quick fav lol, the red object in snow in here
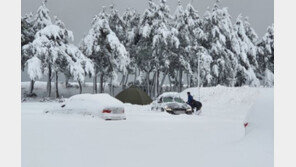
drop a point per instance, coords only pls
(106, 111)
(246, 124)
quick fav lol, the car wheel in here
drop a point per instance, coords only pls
(171, 112)
(189, 112)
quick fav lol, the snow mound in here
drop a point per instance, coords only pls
(173, 94)
(87, 104)
(102, 98)
(224, 102)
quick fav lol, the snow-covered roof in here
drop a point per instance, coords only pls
(172, 94)
(101, 99)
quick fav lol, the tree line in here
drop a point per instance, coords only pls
(149, 49)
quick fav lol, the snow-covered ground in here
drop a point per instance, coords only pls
(150, 139)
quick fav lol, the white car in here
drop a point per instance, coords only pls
(172, 103)
(102, 105)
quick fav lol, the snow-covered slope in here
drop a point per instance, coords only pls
(225, 102)
(146, 138)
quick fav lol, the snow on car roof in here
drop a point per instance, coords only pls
(102, 98)
(172, 94)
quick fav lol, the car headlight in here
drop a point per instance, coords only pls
(168, 108)
(188, 109)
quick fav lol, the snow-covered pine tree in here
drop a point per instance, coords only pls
(119, 26)
(145, 59)
(199, 58)
(76, 65)
(180, 63)
(246, 71)
(34, 23)
(71, 61)
(163, 34)
(102, 46)
(222, 45)
(27, 29)
(42, 18)
(27, 36)
(131, 21)
(266, 58)
(253, 37)
(48, 46)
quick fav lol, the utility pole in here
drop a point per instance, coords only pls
(199, 79)
(198, 75)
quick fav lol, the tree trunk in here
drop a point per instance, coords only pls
(170, 81)
(191, 81)
(80, 87)
(32, 86)
(147, 80)
(180, 80)
(135, 79)
(153, 86)
(161, 83)
(125, 82)
(157, 83)
(110, 87)
(122, 81)
(95, 86)
(57, 84)
(66, 81)
(49, 81)
(188, 80)
(102, 83)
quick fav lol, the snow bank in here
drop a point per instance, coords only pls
(152, 139)
(224, 102)
(87, 104)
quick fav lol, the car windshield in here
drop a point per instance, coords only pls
(172, 99)
(178, 100)
(167, 99)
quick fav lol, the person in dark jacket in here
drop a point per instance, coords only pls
(190, 98)
(193, 103)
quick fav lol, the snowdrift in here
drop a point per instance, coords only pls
(231, 103)
(146, 138)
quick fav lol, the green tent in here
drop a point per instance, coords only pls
(133, 95)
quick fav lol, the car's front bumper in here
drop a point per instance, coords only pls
(177, 111)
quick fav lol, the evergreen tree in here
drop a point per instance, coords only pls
(246, 58)
(30, 26)
(27, 36)
(266, 58)
(27, 29)
(131, 21)
(145, 59)
(222, 44)
(180, 23)
(48, 46)
(117, 24)
(103, 47)
(76, 65)
(199, 57)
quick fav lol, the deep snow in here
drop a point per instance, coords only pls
(215, 138)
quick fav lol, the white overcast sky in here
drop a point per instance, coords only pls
(77, 14)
